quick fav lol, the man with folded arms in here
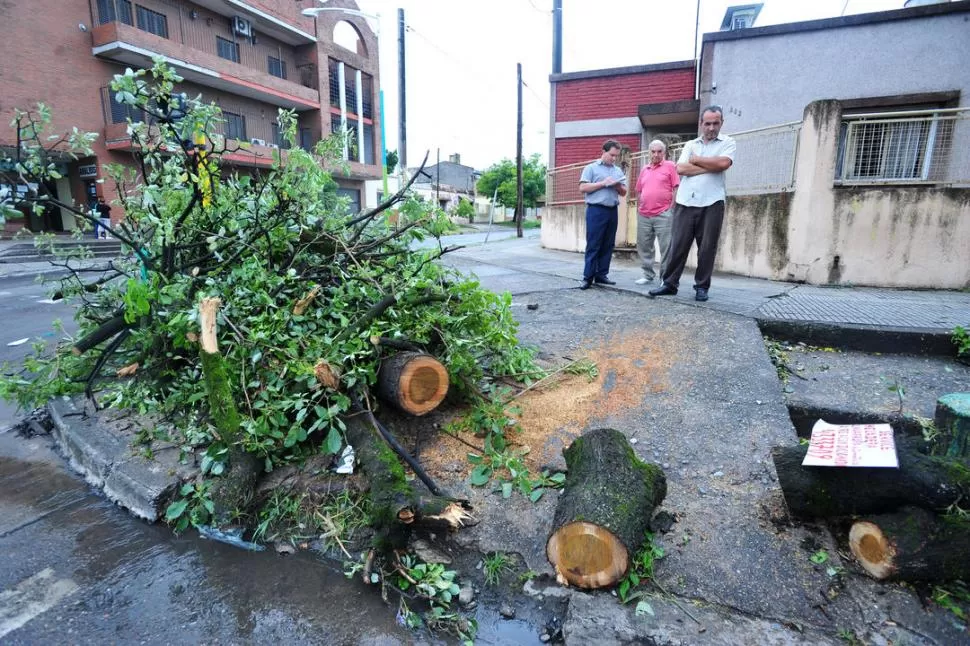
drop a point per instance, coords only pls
(700, 205)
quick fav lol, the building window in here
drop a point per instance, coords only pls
(892, 150)
(353, 195)
(740, 22)
(276, 67)
(278, 138)
(368, 157)
(334, 83)
(350, 81)
(227, 49)
(235, 126)
(367, 89)
(152, 21)
(114, 10)
(306, 139)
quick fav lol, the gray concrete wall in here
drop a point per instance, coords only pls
(766, 80)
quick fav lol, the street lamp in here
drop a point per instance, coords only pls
(313, 12)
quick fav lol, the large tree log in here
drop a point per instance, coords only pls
(821, 492)
(953, 423)
(413, 382)
(396, 508)
(912, 545)
(604, 511)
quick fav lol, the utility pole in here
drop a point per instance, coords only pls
(556, 36)
(519, 211)
(402, 144)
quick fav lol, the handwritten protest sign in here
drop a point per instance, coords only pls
(851, 445)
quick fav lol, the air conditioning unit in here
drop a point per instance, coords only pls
(272, 145)
(242, 27)
(257, 141)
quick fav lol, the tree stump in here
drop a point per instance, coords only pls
(604, 511)
(414, 382)
(912, 545)
(953, 423)
(821, 492)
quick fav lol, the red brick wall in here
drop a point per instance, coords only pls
(574, 150)
(619, 96)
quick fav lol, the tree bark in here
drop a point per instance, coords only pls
(912, 545)
(605, 509)
(396, 508)
(414, 382)
(233, 489)
(953, 423)
(821, 492)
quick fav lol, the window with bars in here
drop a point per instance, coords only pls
(368, 157)
(276, 67)
(890, 149)
(151, 21)
(121, 112)
(114, 10)
(353, 195)
(227, 49)
(235, 126)
(367, 89)
(334, 83)
(350, 83)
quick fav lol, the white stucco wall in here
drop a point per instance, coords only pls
(766, 80)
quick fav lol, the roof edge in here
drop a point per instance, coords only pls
(909, 13)
(618, 71)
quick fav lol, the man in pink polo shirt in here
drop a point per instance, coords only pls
(656, 189)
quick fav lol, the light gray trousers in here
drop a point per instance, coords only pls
(648, 230)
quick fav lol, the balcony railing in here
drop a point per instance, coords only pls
(240, 123)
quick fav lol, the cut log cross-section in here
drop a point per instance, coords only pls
(414, 382)
(604, 511)
(912, 545)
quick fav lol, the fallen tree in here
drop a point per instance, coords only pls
(305, 286)
(604, 511)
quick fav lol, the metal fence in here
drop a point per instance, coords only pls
(766, 164)
(916, 147)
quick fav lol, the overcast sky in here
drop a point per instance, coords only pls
(461, 56)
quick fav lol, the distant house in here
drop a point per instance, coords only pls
(853, 145)
(446, 182)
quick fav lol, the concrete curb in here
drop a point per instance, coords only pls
(105, 459)
(861, 338)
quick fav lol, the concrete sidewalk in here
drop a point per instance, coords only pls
(859, 318)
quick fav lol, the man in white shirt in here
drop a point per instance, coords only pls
(700, 205)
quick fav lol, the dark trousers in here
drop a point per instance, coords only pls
(600, 238)
(690, 223)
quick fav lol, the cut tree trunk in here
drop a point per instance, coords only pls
(912, 545)
(234, 488)
(821, 492)
(604, 511)
(413, 382)
(396, 508)
(953, 423)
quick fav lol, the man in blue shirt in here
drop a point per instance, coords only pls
(603, 184)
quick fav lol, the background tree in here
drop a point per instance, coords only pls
(502, 176)
(391, 160)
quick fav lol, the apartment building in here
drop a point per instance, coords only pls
(251, 57)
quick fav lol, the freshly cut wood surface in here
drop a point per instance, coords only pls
(604, 511)
(414, 382)
(912, 545)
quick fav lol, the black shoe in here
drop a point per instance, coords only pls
(604, 281)
(701, 294)
(587, 283)
(663, 290)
